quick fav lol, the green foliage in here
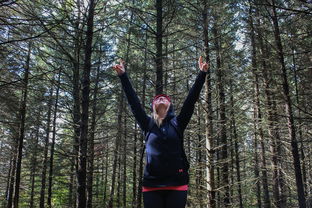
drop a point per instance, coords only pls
(127, 29)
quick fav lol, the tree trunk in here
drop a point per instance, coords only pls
(279, 194)
(222, 110)
(302, 153)
(141, 143)
(116, 151)
(106, 175)
(135, 169)
(124, 160)
(208, 117)
(159, 50)
(199, 160)
(236, 151)
(21, 130)
(53, 141)
(118, 204)
(256, 169)
(71, 185)
(76, 107)
(258, 114)
(12, 175)
(45, 152)
(289, 111)
(34, 161)
(4, 203)
(83, 141)
(91, 142)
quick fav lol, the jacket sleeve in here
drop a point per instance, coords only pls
(189, 104)
(134, 102)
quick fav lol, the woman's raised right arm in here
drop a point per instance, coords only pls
(134, 102)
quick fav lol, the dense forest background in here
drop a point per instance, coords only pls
(68, 138)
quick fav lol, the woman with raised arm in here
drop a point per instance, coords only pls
(165, 181)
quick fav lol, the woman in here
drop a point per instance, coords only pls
(165, 181)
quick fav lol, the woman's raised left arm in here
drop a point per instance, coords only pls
(189, 104)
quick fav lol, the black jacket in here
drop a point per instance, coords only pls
(166, 163)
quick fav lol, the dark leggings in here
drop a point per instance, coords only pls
(164, 199)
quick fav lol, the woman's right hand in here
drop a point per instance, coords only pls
(203, 66)
(120, 68)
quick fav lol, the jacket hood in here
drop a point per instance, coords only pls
(170, 113)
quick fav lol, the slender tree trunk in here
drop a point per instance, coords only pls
(199, 159)
(124, 175)
(279, 194)
(141, 143)
(118, 204)
(76, 122)
(256, 158)
(302, 153)
(116, 151)
(289, 111)
(223, 137)
(83, 141)
(21, 130)
(50, 184)
(76, 106)
(208, 117)
(258, 114)
(12, 175)
(159, 49)
(236, 151)
(256, 170)
(106, 175)
(125, 118)
(71, 185)
(34, 161)
(45, 152)
(4, 203)
(91, 142)
(134, 171)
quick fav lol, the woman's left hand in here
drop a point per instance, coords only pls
(203, 66)
(120, 68)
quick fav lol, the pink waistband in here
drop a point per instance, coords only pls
(175, 188)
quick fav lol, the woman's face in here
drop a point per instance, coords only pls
(161, 102)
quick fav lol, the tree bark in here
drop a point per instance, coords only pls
(222, 110)
(279, 199)
(76, 106)
(91, 142)
(34, 161)
(236, 150)
(45, 152)
(289, 111)
(20, 141)
(159, 48)
(83, 141)
(118, 204)
(208, 116)
(4, 203)
(12, 174)
(199, 160)
(302, 153)
(124, 159)
(135, 169)
(53, 141)
(106, 175)
(116, 151)
(141, 141)
(258, 114)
